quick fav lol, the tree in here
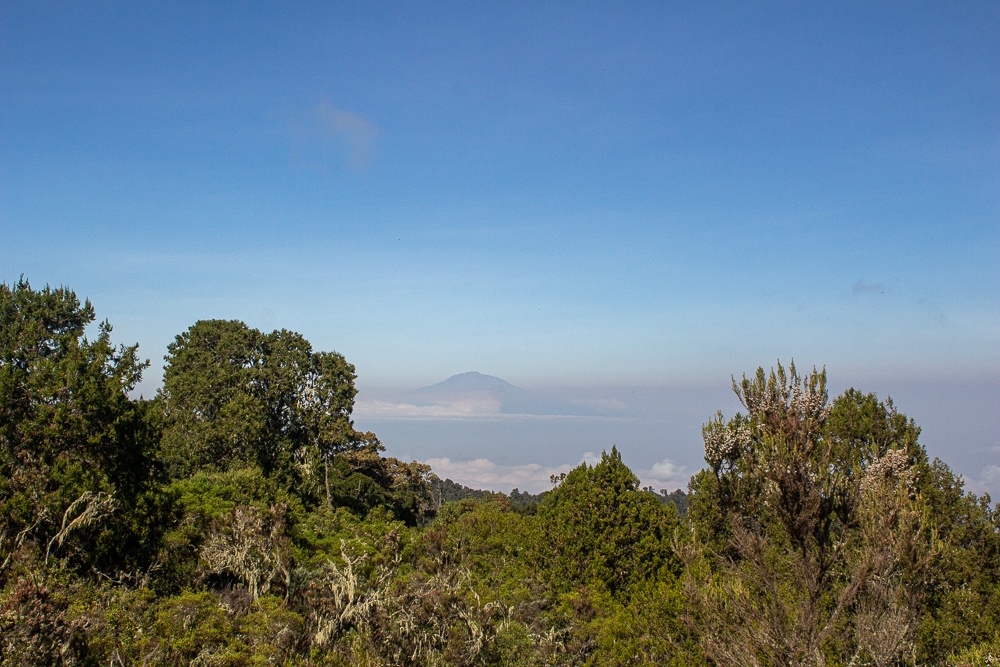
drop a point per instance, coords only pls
(961, 589)
(234, 396)
(602, 531)
(213, 408)
(73, 445)
(811, 527)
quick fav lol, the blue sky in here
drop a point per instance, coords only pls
(560, 194)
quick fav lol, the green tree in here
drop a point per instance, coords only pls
(810, 525)
(602, 531)
(213, 409)
(961, 588)
(74, 448)
(234, 396)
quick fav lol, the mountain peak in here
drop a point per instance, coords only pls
(470, 381)
(476, 387)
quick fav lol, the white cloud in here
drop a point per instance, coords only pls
(485, 474)
(325, 125)
(665, 469)
(473, 407)
(664, 475)
(988, 482)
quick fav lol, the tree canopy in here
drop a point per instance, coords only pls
(234, 396)
(74, 448)
(240, 519)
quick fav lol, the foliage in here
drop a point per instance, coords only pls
(75, 469)
(234, 396)
(600, 529)
(448, 491)
(240, 519)
(961, 605)
(818, 531)
(445, 491)
(35, 628)
(985, 654)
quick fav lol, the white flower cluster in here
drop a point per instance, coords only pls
(895, 465)
(724, 443)
(762, 403)
(784, 394)
(809, 403)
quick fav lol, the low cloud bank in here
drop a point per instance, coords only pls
(488, 475)
(473, 408)
(988, 482)
(485, 408)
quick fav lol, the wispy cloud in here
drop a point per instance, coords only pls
(479, 406)
(325, 125)
(863, 287)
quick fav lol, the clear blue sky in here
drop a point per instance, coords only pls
(555, 193)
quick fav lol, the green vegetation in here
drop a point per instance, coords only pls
(239, 519)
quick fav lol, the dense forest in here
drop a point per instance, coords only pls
(238, 518)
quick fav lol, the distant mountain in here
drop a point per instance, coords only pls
(493, 393)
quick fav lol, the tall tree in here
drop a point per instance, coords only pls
(810, 522)
(213, 408)
(73, 445)
(602, 531)
(233, 396)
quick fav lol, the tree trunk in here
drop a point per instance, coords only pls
(326, 479)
